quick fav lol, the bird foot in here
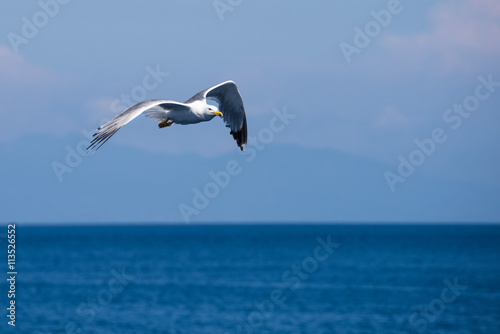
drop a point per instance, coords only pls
(165, 123)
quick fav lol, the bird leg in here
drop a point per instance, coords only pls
(165, 123)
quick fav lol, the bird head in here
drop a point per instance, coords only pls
(213, 110)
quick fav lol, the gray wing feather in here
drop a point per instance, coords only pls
(106, 131)
(231, 105)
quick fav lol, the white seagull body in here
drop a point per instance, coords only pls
(194, 110)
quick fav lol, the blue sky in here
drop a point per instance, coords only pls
(67, 65)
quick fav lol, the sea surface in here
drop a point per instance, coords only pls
(255, 279)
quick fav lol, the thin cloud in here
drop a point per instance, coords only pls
(390, 118)
(463, 36)
(15, 70)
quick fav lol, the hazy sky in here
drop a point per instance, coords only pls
(413, 86)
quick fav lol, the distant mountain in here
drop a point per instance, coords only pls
(279, 183)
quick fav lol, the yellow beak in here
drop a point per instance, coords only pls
(217, 113)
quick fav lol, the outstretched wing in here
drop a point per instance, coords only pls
(231, 105)
(104, 132)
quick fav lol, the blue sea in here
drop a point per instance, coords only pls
(256, 279)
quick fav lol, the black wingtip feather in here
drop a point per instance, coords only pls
(241, 135)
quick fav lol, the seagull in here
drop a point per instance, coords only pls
(194, 110)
